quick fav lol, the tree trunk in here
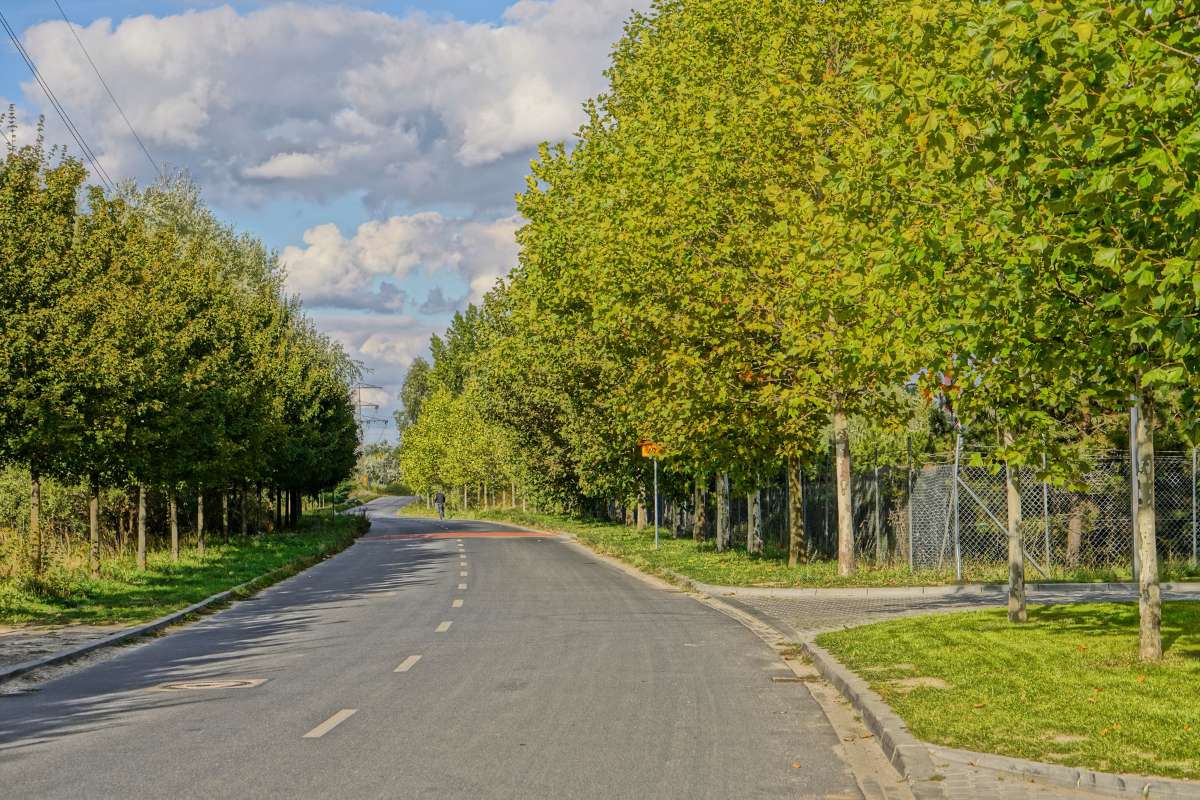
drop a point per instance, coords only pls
(94, 526)
(35, 517)
(754, 542)
(641, 506)
(845, 504)
(1016, 554)
(722, 513)
(1149, 592)
(173, 513)
(141, 525)
(225, 514)
(797, 546)
(200, 520)
(278, 510)
(513, 497)
(700, 518)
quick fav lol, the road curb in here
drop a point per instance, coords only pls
(154, 626)
(907, 753)
(1105, 783)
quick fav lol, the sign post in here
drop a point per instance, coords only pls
(653, 451)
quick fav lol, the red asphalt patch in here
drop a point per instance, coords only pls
(392, 537)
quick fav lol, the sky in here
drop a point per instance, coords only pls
(377, 146)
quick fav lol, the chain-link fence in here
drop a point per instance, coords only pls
(946, 514)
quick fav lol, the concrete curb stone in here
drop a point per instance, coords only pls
(1076, 777)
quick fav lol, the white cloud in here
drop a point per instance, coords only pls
(367, 269)
(322, 100)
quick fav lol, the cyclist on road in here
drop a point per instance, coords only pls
(439, 500)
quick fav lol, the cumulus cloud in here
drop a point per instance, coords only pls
(367, 269)
(328, 99)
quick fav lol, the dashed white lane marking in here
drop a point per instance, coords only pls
(462, 574)
(462, 586)
(457, 603)
(331, 723)
(458, 540)
(445, 626)
(407, 664)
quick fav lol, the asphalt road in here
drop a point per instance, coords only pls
(447, 666)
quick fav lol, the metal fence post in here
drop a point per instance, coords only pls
(954, 502)
(1046, 510)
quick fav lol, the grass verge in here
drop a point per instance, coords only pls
(123, 595)
(736, 567)
(1066, 687)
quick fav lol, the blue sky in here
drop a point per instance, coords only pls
(376, 145)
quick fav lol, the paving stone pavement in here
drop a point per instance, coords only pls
(804, 613)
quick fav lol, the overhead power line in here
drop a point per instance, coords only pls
(88, 153)
(104, 83)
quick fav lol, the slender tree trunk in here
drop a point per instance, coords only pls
(278, 510)
(797, 544)
(513, 497)
(200, 519)
(141, 525)
(641, 506)
(1075, 532)
(1016, 554)
(700, 518)
(845, 502)
(1149, 592)
(258, 523)
(722, 513)
(173, 513)
(94, 526)
(225, 513)
(754, 542)
(35, 517)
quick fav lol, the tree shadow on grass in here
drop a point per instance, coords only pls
(1180, 623)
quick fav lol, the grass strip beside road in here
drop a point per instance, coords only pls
(1066, 687)
(701, 562)
(122, 595)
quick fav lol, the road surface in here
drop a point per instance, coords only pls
(433, 660)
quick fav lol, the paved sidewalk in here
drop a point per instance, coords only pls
(805, 612)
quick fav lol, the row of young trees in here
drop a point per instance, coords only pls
(145, 343)
(781, 211)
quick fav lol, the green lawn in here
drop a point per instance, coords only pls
(1066, 687)
(124, 595)
(737, 568)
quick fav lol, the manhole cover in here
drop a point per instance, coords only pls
(213, 683)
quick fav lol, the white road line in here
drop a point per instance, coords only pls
(407, 664)
(457, 603)
(462, 574)
(331, 723)
(462, 586)
(445, 626)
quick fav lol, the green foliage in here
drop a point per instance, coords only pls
(142, 341)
